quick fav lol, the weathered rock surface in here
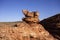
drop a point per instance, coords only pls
(31, 16)
(52, 24)
(25, 30)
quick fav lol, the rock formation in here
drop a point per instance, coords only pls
(52, 24)
(30, 16)
(28, 29)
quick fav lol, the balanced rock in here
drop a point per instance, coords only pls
(30, 16)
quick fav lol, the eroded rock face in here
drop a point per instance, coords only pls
(52, 24)
(25, 30)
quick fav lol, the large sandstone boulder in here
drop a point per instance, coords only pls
(30, 16)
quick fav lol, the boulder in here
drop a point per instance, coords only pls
(30, 16)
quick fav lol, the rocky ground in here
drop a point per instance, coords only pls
(24, 31)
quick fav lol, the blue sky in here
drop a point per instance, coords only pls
(11, 10)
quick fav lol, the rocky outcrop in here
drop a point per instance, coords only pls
(30, 16)
(28, 29)
(52, 24)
